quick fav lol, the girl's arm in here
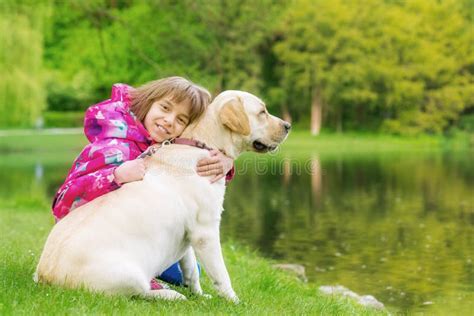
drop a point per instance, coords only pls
(79, 191)
(218, 165)
(92, 175)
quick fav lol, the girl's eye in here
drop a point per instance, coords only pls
(182, 121)
(262, 112)
(165, 107)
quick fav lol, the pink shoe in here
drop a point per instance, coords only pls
(155, 285)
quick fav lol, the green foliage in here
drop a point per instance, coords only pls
(407, 65)
(90, 45)
(237, 33)
(22, 96)
(63, 119)
(404, 67)
(466, 123)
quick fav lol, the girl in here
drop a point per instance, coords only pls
(124, 126)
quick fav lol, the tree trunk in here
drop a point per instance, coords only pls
(339, 120)
(360, 115)
(316, 111)
(285, 113)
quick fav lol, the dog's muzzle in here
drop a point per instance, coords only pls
(263, 148)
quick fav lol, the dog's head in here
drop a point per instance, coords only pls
(247, 118)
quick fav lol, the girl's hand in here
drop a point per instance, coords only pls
(218, 165)
(132, 170)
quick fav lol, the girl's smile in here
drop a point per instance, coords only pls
(162, 128)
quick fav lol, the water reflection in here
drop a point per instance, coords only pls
(39, 171)
(397, 226)
(316, 179)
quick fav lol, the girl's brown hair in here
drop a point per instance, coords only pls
(178, 89)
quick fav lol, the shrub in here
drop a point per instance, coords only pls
(466, 123)
(63, 119)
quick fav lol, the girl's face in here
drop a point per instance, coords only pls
(166, 119)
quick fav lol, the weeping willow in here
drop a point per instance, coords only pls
(22, 96)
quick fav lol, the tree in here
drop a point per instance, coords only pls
(321, 53)
(93, 44)
(403, 66)
(21, 75)
(237, 35)
(440, 60)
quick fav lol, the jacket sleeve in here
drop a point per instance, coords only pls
(91, 176)
(230, 175)
(105, 120)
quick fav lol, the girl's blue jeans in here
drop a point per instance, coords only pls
(174, 274)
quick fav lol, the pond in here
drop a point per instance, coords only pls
(399, 226)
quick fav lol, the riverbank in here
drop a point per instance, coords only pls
(262, 289)
(303, 142)
(298, 142)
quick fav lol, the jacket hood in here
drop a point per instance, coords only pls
(112, 118)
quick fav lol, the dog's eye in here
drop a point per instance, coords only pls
(263, 112)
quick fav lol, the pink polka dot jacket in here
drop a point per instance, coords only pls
(115, 136)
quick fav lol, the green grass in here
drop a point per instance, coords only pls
(262, 289)
(298, 142)
(304, 142)
(42, 143)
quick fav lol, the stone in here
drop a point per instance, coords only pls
(366, 300)
(338, 290)
(370, 301)
(297, 269)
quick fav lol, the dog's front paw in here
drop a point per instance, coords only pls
(207, 296)
(234, 299)
(231, 296)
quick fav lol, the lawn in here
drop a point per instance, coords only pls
(299, 141)
(262, 289)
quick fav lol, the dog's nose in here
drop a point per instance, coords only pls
(287, 126)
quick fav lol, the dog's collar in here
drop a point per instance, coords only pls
(190, 142)
(179, 141)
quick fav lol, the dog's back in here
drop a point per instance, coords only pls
(142, 224)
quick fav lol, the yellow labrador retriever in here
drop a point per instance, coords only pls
(118, 242)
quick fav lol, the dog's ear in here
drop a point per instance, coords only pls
(233, 116)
